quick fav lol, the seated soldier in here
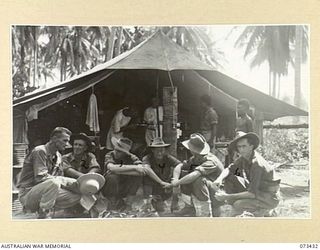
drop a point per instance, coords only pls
(41, 184)
(123, 174)
(80, 161)
(202, 166)
(249, 183)
(162, 165)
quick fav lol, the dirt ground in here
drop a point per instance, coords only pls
(295, 203)
(295, 191)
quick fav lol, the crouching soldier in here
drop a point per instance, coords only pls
(42, 186)
(202, 166)
(249, 183)
(162, 165)
(81, 162)
(124, 172)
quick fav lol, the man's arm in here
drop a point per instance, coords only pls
(177, 171)
(213, 135)
(237, 196)
(225, 172)
(249, 125)
(187, 179)
(119, 168)
(94, 166)
(153, 175)
(40, 168)
(71, 172)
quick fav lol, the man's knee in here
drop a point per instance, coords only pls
(238, 204)
(112, 178)
(51, 184)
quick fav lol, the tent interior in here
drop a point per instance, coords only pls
(134, 87)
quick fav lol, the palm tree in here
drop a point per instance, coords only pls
(269, 44)
(300, 56)
(197, 40)
(274, 45)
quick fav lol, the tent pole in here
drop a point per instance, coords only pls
(171, 82)
(157, 109)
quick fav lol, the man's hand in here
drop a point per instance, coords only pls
(73, 187)
(141, 169)
(214, 185)
(221, 196)
(175, 183)
(166, 185)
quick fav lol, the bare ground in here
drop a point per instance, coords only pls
(295, 192)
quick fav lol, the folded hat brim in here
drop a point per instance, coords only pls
(253, 136)
(204, 151)
(89, 176)
(159, 146)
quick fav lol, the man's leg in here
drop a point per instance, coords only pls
(186, 191)
(235, 184)
(256, 207)
(128, 187)
(42, 196)
(201, 198)
(111, 190)
(67, 199)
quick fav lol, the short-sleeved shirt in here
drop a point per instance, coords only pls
(208, 118)
(83, 165)
(127, 160)
(119, 120)
(40, 165)
(163, 169)
(244, 124)
(257, 172)
(209, 166)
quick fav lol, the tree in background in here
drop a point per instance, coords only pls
(275, 45)
(40, 52)
(196, 40)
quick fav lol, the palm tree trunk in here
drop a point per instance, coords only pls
(274, 79)
(111, 41)
(278, 94)
(61, 70)
(297, 66)
(35, 56)
(269, 82)
(77, 54)
(119, 42)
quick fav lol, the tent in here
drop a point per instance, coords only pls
(133, 77)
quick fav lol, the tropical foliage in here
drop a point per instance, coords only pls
(279, 46)
(43, 52)
(286, 145)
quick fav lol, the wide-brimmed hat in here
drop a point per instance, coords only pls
(84, 137)
(241, 135)
(122, 144)
(197, 143)
(90, 183)
(158, 143)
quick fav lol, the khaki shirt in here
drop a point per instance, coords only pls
(257, 172)
(38, 166)
(83, 165)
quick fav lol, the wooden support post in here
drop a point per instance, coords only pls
(170, 117)
(258, 125)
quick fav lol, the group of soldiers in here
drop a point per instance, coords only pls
(50, 181)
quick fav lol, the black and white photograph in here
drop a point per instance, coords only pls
(141, 122)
